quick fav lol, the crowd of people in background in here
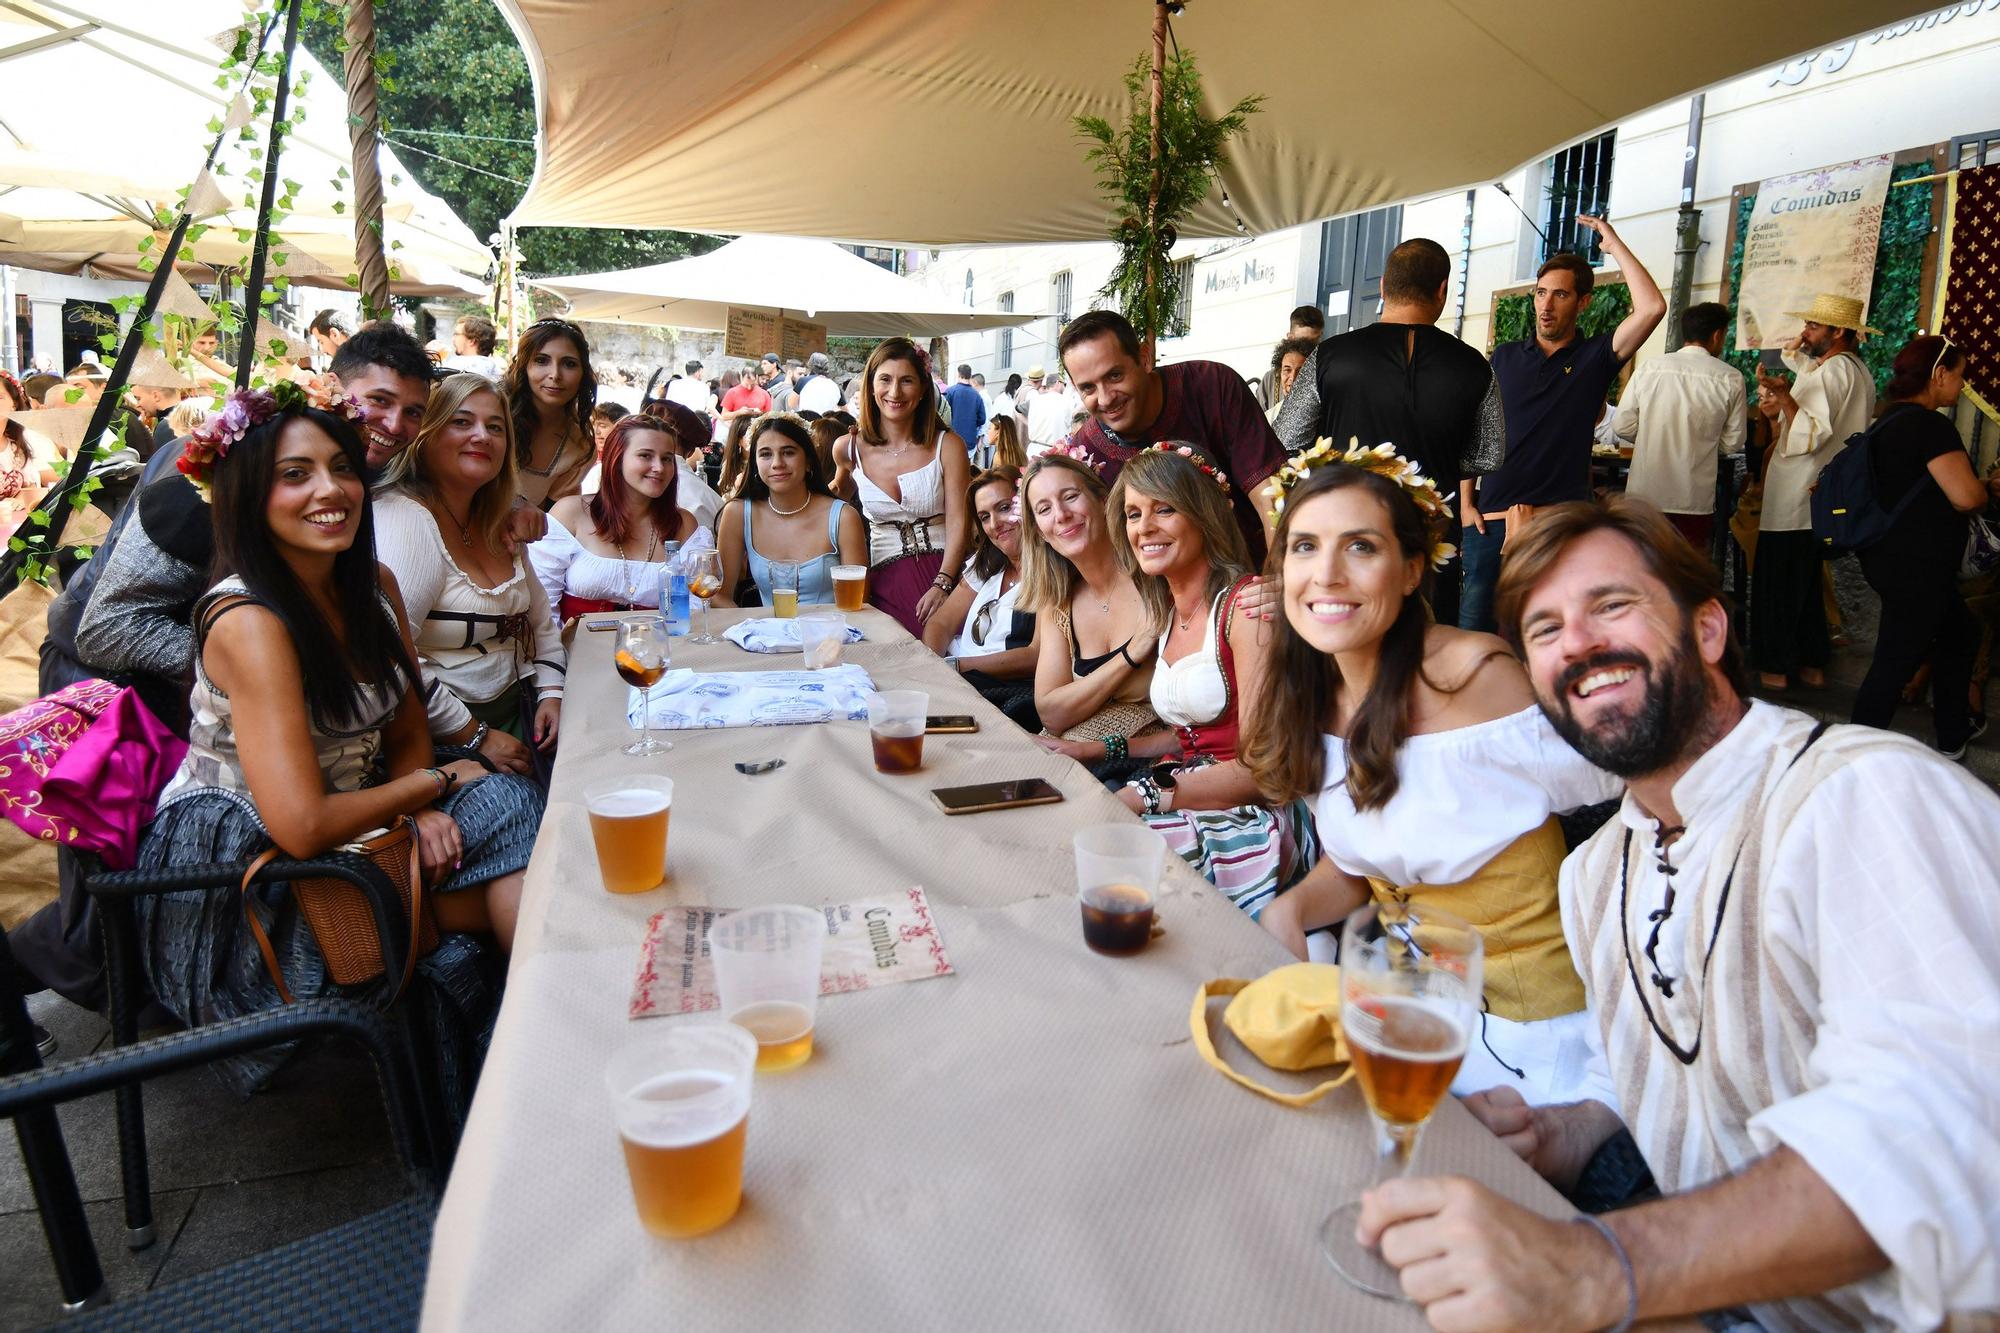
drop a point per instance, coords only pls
(1380, 638)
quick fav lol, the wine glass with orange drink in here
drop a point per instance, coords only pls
(704, 571)
(642, 659)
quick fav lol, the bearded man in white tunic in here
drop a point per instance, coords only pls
(1790, 939)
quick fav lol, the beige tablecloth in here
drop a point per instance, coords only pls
(1031, 1143)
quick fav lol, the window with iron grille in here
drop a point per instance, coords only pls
(1578, 180)
(1975, 150)
(1184, 306)
(1059, 289)
(1006, 335)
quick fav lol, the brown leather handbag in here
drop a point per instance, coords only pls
(337, 912)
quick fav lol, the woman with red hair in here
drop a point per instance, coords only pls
(607, 551)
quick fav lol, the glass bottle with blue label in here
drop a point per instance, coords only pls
(674, 591)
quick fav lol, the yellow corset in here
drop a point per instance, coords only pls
(1512, 902)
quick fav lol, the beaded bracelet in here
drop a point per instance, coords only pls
(1116, 748)
(1624, 1262)
(442, 779)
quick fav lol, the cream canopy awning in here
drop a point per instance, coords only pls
(777, 275)
(932, 123)
(85, 192)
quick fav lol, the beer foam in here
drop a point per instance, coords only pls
(629, 803)
(681, 1109)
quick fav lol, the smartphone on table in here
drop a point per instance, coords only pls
(951, 724)
(981, 796)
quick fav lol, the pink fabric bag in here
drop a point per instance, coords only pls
(83, 766)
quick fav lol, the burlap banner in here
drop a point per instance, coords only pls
(1812, 232)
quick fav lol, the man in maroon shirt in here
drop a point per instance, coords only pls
(1203, 403)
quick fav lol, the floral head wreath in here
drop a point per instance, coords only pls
(247, 409)
(1191, 455)
(1383, 461)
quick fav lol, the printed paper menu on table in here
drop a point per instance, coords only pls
(877, 942)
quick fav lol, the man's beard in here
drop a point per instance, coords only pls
(1669, 717)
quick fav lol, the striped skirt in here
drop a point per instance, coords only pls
(1251, 853)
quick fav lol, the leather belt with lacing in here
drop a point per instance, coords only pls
(915, 537)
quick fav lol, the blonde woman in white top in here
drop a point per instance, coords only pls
(480, 619)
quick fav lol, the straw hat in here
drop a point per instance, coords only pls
(1836, 312)
(1037, 374)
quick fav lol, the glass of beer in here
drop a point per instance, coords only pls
(784, 588)
(681, 1098)
(628, 822)
(1411, 981)
(896, 726)
(704, 571)
(850, 587)
(642, 659)
(767, 975)
(1117, 881)
(822, 634)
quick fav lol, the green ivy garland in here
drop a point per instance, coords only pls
(1193, 147)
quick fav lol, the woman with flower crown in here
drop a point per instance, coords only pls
(1434, 774)
(310, 758)
(1174, 532)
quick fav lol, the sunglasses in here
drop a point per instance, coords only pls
(1940, 356)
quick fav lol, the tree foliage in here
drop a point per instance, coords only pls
(454, 66)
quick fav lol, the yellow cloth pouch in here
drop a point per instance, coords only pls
(1289, 1019)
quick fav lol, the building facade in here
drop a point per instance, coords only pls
(1931, 80)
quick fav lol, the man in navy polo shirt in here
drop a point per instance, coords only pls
(1552, 391)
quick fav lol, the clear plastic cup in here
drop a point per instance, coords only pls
(628, 822)
(767, 976)
(681, 1098)
(822, 635)
(784, 588)
(1118, 869)
(896, 727)
(850, 587)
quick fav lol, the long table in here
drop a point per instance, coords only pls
(1031, 1142)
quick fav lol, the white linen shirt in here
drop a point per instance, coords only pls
(1881, 925)
(1836, 398)
(1679, 413)
(692, 393)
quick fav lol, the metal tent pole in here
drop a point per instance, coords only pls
(253, 286)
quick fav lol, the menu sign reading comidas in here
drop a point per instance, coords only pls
(868, 944)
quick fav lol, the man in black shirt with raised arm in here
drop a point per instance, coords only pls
(1404, 381)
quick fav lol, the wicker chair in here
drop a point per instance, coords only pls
(363, 1274)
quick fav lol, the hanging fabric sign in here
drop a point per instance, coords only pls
(1812, 232)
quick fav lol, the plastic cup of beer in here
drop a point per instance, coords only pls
(822, 634)
(628, 822)
(896, 727)
(850, 587)
(767, 975)
(681, 1098)
(784, 588)
(1118, 870)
